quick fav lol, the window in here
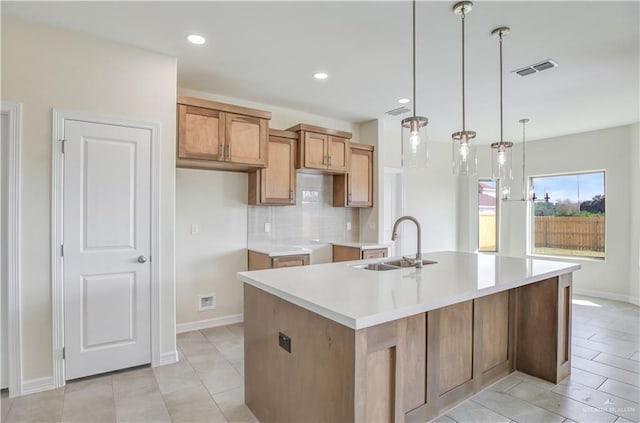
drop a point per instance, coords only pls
(569, 215)
(487, 215)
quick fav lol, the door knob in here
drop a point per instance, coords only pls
(142, 259)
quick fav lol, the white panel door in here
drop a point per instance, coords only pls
(107, 316)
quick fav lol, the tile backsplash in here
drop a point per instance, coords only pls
(312, 219)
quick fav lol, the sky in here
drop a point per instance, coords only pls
(580, 187)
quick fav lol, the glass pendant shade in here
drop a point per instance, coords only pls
(414, 142)
(464, 153)
(502, 159)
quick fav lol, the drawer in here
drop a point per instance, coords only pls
(289, 261)
(371, 254)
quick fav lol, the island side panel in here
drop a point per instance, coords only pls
(315, 381)
(544, 328)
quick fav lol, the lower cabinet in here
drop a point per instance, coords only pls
(260, 261)
(343, 253)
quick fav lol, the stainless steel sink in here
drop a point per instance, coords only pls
(391, 265)
(378, 267)
(407, 263)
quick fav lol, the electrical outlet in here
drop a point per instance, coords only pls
(207, 302)
(348, 226)
(195, 228)
(267, 227)
(285, 342)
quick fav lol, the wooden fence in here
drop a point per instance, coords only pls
(571, 233)
(487, 232)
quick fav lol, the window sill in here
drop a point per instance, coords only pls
(570, 258)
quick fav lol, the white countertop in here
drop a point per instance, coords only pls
(361, 245)
(280, 250)
(359, 298)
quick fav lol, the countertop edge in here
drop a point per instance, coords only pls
(384, 317)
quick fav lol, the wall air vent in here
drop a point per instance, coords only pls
(538, 67)
(399, 111)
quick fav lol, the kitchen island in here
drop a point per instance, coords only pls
(340, 343)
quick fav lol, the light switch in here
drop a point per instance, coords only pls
(348, 226)
(195, 228)
(267, 227)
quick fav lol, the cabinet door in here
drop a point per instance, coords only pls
(278, 182)
(338, 151)
(200, 133)
(314, 153)
(371, 254)
(290, 261)
(360, 179)
(246, 140)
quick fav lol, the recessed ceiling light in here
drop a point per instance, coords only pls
(320, 75)
(196, 39)
(404, 101)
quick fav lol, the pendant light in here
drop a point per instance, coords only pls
(465, 159)
(501, 155)
(414, 138)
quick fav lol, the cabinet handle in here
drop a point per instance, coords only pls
(329, 160)
(349, 198)
(228, 151)
(221, 151)
(290, 194)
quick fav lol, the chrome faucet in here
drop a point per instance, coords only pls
(394, 236)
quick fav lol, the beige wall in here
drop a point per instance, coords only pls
(46, 68)
(207, 262)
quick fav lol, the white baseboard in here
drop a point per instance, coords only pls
(209, 323)
(607, 296)
(40, 384)
(168, 358)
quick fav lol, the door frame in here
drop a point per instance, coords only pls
(57, 290)
(14, 309)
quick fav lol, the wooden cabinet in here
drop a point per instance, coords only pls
(259, 261)
(322, 150)
(355, 188)
(276, 184)
(344, 253)
(214, 135)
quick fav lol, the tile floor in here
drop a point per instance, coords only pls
(207, 384)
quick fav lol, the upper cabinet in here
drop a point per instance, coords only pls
(322, 150)
(355, 189)
(214, 135)
(276, 184)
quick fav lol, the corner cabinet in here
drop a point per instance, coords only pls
(276, 184)
(355, 188)
(214, 135)
(322, 150)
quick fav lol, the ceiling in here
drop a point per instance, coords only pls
(267, 52)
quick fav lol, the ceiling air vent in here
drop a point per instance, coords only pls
(399, 111)
(538, 67)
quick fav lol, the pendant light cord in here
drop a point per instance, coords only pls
(501, 133)
(463, 98)
(414, 58)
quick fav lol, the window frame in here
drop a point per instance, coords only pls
(531, 222)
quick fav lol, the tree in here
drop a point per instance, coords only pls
(595, 205)
(566, 208)
(544, 209)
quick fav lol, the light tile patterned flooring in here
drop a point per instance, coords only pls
(207, 384)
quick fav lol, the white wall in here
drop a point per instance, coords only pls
(217, 201)
(634, 195)
(47, 68)
(609, 149)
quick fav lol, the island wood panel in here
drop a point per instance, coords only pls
(494, 329)
(312, 383)
(456, 345)
(544, 344)
(380, 369)
(415, 387)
